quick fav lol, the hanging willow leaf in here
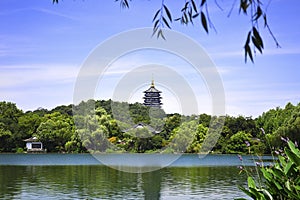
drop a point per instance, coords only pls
(166, 22)
(195, 15)
(156, 14)
(168, 13)
(203, 2)
(258, 13)
(155, 24)
(160, 34)
(256, 44)
(248, 38)
(265, 20)
(204, 22)
(248, 52)
(194, 6)
(258, 38)
(243, 6)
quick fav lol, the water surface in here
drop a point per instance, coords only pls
(80, 176)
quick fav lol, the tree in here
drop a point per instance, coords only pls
(55, 131)
(9, 114)
(5, 139)
(183, 136)
(193, 10)
(237, 143)
(198, 138)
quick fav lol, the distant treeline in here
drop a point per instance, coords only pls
(107, 126)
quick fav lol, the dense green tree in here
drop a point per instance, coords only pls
(183, 136)
(9, 115)
(204, 119)
(198, 138)
(55, 130)
(28, 124)
(237, 143)
(280, 123)
(5, 138)
(172, 121)
(97, 130)
(65, 110)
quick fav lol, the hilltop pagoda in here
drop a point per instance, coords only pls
(152, 97)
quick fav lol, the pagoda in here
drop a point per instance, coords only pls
(152, 97)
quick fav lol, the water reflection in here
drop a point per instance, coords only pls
(101, 182)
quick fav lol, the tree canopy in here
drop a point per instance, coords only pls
(62, 131)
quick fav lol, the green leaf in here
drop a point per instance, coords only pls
(258, 13)
(247, 192)
(204, 22)
(266, 174)
(258, 38)
(185, 18)
(265, 20)
(160, 34)
(156, 23)
(256, 44)
(293, 157)
(248, 52)
(195, 15)
(166, 23)
(282, 160)
(267, 193)
(168, 13)
(288, 185)
(194, 6)
(251, 182)
(203, 2)
(243, 6)
(287, 168)
(248, 38)
(293, 148)
(156, 14)
(278, 185)
(256, 193)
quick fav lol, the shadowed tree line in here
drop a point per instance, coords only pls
(76, 129)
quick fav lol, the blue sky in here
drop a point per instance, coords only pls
(43, 46)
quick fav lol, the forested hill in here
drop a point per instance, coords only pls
(102, 132)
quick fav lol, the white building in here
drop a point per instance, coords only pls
(33, 145)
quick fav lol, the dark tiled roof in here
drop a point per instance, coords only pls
(32, 139)
(142, 125)
(152, 89)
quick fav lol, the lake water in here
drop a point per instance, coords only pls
(81, 176)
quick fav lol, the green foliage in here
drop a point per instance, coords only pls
(95, 125)
(236, 143)
(281, 123)
(281, 181)
(188, 137)
(55, 130)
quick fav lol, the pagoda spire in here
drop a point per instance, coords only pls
(152, 82)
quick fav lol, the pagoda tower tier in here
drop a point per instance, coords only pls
(152, 97)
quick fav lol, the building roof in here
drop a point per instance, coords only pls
(32, 139)
(142, 125)
(152, 88)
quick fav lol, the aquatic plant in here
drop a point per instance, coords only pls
(278, 181)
